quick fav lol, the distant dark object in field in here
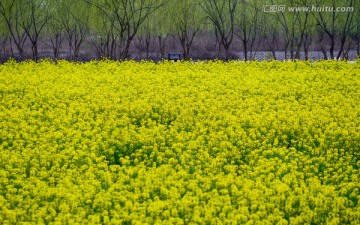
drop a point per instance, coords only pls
(175, 56)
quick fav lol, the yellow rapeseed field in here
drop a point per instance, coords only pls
(179, 143)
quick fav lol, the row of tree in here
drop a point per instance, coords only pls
(111, 27)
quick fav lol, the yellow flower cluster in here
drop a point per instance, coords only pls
(179, 143)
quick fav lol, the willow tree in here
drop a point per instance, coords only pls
(294, 24)
(144, 37)
(35, 14)
(336, 25)
(104, 36)
(187, 19)
(156, 29)
(127, 17)
(161, 25)
(11, 15)
(270, 33)
(222, 14)
(355, 31)
(301, 25)
(248, 24)
(74, 17)
(4, 35)
(54, 29)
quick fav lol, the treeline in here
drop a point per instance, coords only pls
(117, 29)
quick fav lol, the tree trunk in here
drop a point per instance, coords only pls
(286, 50)
(35, 50)
(147, 44)
(292, 55)
(343, 40)
(307, 42)
(12, 50)
(227, 49)
(112, 53)
(125, 53)
(306, 52)
(332, 47)
(139, 40)
(182, 39)
(70, 48)
(20, 49)
(348, 49)
(298, 47)
(272, 44)
(56, 44)
(245, 50)
(323, 50)
(3, 45)
(162, 43)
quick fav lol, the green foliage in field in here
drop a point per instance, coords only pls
(180, 143)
